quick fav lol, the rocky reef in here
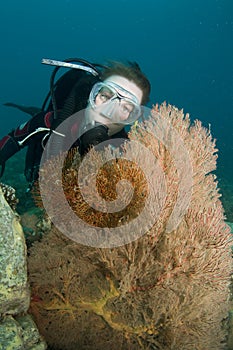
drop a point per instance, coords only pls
(17, 328)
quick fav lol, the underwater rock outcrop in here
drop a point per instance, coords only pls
(17, 329)
(167, 289)
(10, 195)
(14, 288)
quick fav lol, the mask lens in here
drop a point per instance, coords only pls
(115, 103)
(105, 94)
(101, 91)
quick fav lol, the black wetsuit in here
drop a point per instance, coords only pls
(35, 132)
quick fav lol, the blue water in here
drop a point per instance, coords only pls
(185, 48)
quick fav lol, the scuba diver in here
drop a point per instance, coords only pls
(108, 98)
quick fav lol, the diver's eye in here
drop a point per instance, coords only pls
(127, 108)
(105, 94)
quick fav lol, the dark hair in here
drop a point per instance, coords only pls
(132, 72)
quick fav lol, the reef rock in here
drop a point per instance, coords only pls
(14, 289)
(17, 329)
(20, 333)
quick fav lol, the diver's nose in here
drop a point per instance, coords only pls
(109, 109)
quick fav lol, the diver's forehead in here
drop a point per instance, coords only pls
(127, 85)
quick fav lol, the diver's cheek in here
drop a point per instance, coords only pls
(123, 117)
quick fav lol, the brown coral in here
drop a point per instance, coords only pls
(169, 289)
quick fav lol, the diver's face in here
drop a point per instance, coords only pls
(128, 86)
(116, 101)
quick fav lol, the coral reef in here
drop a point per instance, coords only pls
(168, 289)
(14, 289)
(20, 332)
(17, 329)
(10, 195)
(35, 224)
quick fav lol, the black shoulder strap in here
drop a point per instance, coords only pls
(76, 100)
(60, 90)
(63, 87)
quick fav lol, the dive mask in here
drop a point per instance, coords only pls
(112, 101)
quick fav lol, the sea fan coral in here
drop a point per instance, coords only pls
(168, 289)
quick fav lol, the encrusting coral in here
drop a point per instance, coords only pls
(10, 195)
(168, 289)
